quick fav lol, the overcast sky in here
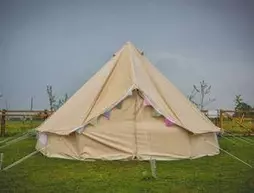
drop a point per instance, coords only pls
(63, 43)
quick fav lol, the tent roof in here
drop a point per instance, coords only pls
(128, 69)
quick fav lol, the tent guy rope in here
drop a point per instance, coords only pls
(20, 160)
(22, 137)
(23, 159)
(229, 154)
(241, 139)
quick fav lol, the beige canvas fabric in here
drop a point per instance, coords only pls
(78, 130)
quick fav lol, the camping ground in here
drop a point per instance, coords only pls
(220, 173)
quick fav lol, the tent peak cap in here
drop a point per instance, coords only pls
(129, 43)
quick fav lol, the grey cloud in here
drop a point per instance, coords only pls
(64, 43)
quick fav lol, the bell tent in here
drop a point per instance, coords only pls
(128, 110)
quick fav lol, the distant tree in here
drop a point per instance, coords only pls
(240, 105)
(51, 97)
(203, 90)
(62, 101)
(53, 102)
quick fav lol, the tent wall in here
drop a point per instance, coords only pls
(132, 132)
(60, 146)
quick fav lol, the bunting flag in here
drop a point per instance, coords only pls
(107, 114)
(156, 113)
(146, 102)
(168, 122)
(129, 93)
(119, 105)
(94, 121)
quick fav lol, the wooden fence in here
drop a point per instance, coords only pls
(21, 115)
(233, 121)
(229, 120)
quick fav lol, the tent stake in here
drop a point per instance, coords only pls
(153, 167)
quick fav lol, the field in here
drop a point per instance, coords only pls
(233, 127)
(16, 127)
(39, 174)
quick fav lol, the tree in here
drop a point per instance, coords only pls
(62, 101)
(51, 97)
(240, 105)
(203, 90)
(53, 102)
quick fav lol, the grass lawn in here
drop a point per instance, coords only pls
(17, 127)
(40, 174)
(233, 127)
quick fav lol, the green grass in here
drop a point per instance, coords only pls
(17, 127)
(233, 127)
(40, 174)
(209, 174)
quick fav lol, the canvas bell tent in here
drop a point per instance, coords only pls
(128, 110)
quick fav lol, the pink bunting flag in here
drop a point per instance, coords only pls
(107, 114)
(168, 122)
(146, 102)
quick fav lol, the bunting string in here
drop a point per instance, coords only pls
(94, 121)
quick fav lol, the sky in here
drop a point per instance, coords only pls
(63, 43)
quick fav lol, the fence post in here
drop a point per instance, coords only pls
(221, 118)
(3, 119)
(46, 114)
